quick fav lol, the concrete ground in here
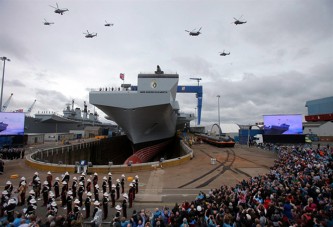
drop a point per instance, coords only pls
(210, 168)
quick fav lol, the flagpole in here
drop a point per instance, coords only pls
(122, 77)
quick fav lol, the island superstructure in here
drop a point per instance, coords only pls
(147, 115)
(72, 119)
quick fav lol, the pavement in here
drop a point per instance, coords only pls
(210, 168)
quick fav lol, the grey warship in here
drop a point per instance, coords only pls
(148, 115)
(72, 119)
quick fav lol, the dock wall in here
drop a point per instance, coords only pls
(40, 160)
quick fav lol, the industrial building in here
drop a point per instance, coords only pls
(320, 119)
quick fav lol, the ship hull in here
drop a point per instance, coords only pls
(144, 124)
(147, 115)
(3, 126)
(276, 130)
(146, 151)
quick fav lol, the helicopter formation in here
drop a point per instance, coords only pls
(195, 32)
(61, 11)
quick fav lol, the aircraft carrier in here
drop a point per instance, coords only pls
(147, 115)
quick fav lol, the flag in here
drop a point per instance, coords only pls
(122, 76)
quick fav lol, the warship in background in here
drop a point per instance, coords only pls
(72, 119)
(149, 115)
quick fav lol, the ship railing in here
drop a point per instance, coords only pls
(112, 89)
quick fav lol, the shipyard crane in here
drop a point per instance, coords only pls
(197, 79)
(198, 94)
(5, 105)
(198, 90)
(30, 108)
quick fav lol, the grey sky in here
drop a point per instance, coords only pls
(279, 59)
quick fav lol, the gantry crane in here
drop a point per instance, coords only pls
(5, 105)
(197, 79)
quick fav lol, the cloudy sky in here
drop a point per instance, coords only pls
(282, 56)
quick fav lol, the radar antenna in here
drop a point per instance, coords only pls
(158, 71)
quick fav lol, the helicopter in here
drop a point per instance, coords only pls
(57, 10)
(224, 53)
(108, 24)
(47, 23)
(238, 21)
(193, 32)
(89, 35)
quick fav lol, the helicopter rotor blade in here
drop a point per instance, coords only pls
(199, 29)
(57, 6)
(187, 31)
(53, 7)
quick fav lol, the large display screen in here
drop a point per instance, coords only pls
(284, 124)
(11, 123)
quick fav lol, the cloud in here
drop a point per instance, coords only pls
(279, 59)
(15, 83)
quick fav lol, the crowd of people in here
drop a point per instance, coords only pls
(297, 191)
(79, 196)
(12, 153)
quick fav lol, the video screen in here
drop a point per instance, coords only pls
(11, 123)
(283, 124)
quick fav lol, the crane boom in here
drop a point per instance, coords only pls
(5, 105)
(197, 79)
(31, 107)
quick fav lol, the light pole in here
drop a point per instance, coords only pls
(218, 107)
(4, 59)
